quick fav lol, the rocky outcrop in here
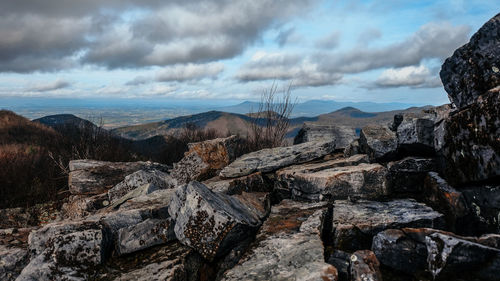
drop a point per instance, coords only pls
(12, 261)
(416, 135)
(212, 223)
(205, 159)
(79, 206)
(452, 257)
(471, 148)
(143, 235)
(317, 182)
(341, 135)
(365, 266)
(95, 177)
(272, 159)
(474, 68)
(157, 178)
(355, 224)
(256, 182)
(406, 177)
(289, 247)
(378, 142)
(352, 149)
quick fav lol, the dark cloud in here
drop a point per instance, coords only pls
(284, 36)
(50, 86)
(433, 40)
(133, 33)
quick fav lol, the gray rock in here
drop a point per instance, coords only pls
(471, 149)
(342, 135)
(474, 68)
(352, 149)
(271, 159)
(378, 142)
(288, 247)
(80, 206)
(365, 266)
(318, 182)
(209, 222)
(148, 233)
(137, 179)
(355, 224)
(137, 192)
(255, 182)
(12, 261)
(452, 257)
(95, 177)
(205, 159)
(416, 135)
(157, 199)
(406, 177)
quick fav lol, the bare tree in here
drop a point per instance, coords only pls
(271, 122)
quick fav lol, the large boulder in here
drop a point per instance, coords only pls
(95, 177)
(212, 223)
(474, 68)
(342, 135)
(319, 182)
(483, 205)
(355, 224)
(451, 257)
(205, 159)
(471, 148)
(155, 177)
(288, 247)
(256, 182)
(379, 142)
(148, 233)
(406, 177)
(416, 135)
(271, 159)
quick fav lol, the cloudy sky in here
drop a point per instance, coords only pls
(380, 50)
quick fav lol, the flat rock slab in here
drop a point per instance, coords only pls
(255, 182)
(406, 177)
(212, 223)
(342, 135)
(271, 159)
(148, 233)
(137, 179)
(355, 224)
(95, 177)
(474, 68)
(379, 142)
(288, 247)
(364, 181)
(205, 159)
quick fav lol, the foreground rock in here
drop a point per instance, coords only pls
(342, 135)
(355, 224)
(289, 247)
(212, 223)
(272, 159)
(95, 177)
(255, 182)
(205, 159)
(471, 147)
(475, 67)
(148, 233)
(12, 261)
(452, 257)
(378, 142)
(416, 135)
(157, 178)
(365, 266)
(406, 177)
(483, 205)
(335, 179)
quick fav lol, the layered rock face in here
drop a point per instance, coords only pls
(341, 135)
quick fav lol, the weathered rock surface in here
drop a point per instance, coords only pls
(288, 247)
(255, 182)
(365, 266)
(452, 257)
(137, 192)
(137, 179)
(95, 177)
(406, 176)
(471, 148)
(148, 233)
(352, 149)
(483, 205)
(355, 224)
(342, 135)
(272, 159)
(474, 68)
(212, 223)
(379, 142)
(416, 135)
(12, 261)
(318, 182)
(79, 206)
(205, 159)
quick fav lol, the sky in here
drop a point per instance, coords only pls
(232, 50)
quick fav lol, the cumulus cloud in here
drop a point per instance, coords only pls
(50, 86)
(330, 41)
(433, 40)
(286, 67)
(410, 76)
(189, 72)
(57, 34)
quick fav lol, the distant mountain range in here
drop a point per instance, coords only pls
(317, 107)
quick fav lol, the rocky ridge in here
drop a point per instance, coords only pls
(418, 199)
